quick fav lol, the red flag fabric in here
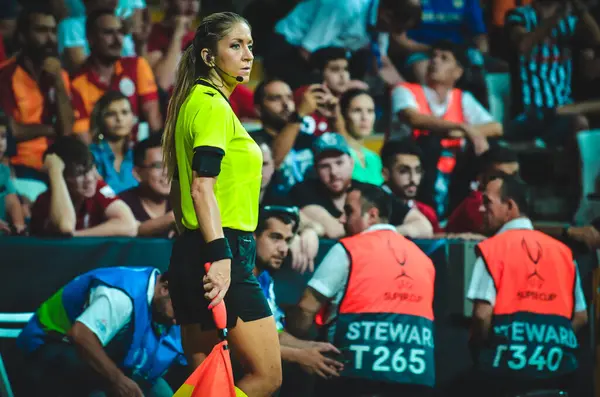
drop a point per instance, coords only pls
(214, 378)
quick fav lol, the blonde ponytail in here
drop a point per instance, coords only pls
(185, 79)
(212, 29)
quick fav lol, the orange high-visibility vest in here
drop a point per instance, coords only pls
(534, 276)
(385, 320)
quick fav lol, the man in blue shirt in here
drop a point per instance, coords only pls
(277, 227)
(353, 24)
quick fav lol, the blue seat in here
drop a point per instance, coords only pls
(589, 150)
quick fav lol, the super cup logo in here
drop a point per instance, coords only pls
(534, 253)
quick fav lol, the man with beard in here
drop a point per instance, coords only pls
(110, 331)
(73, 45)
(105, 70)
(274, 234)
(285, 129)
(402, 172)
(149, 201)
(35, 91)
(77, 202)
(322, 199)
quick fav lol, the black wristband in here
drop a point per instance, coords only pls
(216, 250)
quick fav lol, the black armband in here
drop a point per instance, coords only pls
(216, 250)
(207, 161)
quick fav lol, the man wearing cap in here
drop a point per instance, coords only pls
(445, 120)
(321, 199)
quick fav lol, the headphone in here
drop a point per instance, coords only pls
(213, 64)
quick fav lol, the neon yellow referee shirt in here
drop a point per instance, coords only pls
(206, 119)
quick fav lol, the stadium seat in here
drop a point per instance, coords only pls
(589, 207)
(11, 325)
(498, 85)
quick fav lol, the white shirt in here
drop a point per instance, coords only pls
(110, 309)
(315, 24)
(331, 276)
(482, 284)
(475, 113)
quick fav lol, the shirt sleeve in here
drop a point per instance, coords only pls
(580, 303)
(105, 195)
(515, 18)
(383, 40)
(211, 125)
(108, 312)
(82, 118)
(40, 212)
(146, 84)
(71, 34)
(475, 113)
(331, 276)
(474, 18)
(327, 26)
(482, 285)
(403, 99)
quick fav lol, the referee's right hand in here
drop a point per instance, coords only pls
(217, 281)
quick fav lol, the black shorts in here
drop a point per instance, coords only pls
(244, 299)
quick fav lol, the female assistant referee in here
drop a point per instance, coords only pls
(216, 170)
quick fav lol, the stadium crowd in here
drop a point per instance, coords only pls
(345, 95)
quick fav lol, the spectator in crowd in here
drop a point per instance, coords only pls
(78, 202)
(94, 334)
(169, 38)
(354, 24)
(285, 131)
(369, 278)
(322, 199)
(543, 102)
(402, 173)
(305, 245)
(274, 235)
(34, 91)
(467, 217)
(106, 70)
(149, 201)
(443, 119)
(357, 110)
(111, 126)
(546, 27)
(460, 22)
(73, 41)
(12, 220)
(520, 262)
(333, 65)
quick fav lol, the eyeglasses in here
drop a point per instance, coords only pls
(291, 211)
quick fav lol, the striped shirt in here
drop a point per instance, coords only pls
(545, 73)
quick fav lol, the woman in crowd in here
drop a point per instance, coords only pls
(112, 123)
(216, 170)
(357, 110)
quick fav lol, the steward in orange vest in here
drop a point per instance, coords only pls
(444, 119)
(382, 287)
(527, 296)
